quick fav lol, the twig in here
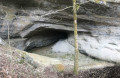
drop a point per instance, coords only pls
(56, 11)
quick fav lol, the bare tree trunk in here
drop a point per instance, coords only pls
(75, 38)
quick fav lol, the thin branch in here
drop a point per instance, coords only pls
(7, 23)
(9, 37)
(50, 13)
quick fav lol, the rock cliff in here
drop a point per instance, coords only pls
(40, 23)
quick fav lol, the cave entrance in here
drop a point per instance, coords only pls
(43, 41)
(44, 38)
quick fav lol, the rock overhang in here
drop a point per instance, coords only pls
(105, 23)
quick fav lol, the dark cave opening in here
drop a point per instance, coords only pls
(44, 37)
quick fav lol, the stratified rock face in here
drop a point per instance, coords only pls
(94, 18)
(98, 26)
(91, 18)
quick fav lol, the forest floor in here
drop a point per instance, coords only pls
(13, 65)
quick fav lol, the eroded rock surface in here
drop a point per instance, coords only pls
(102, 47)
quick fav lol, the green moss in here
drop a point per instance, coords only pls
(68, 56)
(23, 55)
(21, 61)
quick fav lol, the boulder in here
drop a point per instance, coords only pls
(101, 47)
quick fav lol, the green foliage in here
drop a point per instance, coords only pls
(77, 6)
(21, 61)
(68, 56)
